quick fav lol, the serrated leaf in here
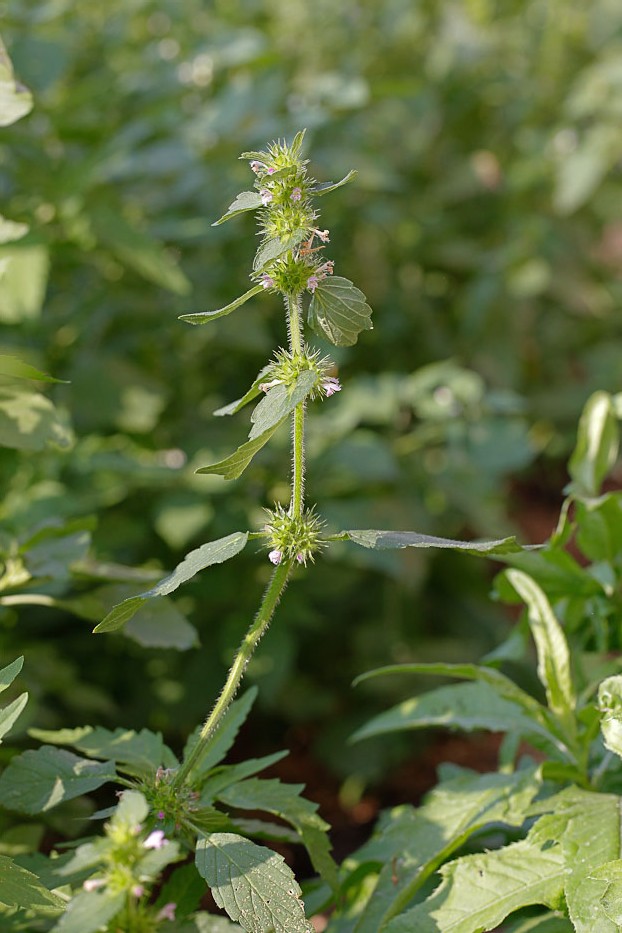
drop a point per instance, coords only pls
(382, 540)
(339, 311)
(203, 317)
(233, 407)
(479, 891)
(40, 779)
(10, 713)
(15, 99)
(333, 185)
(138, 752)
(271, 416)
(551, 646)
(224, 737)
(284, 801)
(20, 888)
(214, 552)
(597, 446)
(245, 201)
(462, 706)
(90, 911)
(272, 249)
(13, 366)
(253, 884)
(10, 672)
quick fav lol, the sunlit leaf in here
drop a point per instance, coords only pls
(339, 311)
(12, 366)
(11, 230)
(597, 446)
(15, 99)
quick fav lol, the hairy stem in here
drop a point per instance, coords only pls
(259, 626)
(294, 329)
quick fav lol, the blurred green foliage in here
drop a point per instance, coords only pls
(483, 227)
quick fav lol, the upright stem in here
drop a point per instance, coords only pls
(294, 329)
(260, 624)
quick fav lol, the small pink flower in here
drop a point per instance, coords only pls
(160, 814)
(296, 194)
(167, 912)
(300, 558)
(326, 268)
(312, 282)
(155, 840)
(257, 166)
(138, 890)
(267, 281)
(275, 557)
(323, 235)
(330, 385)
(271, 170)
(266, 196)
(92, 884)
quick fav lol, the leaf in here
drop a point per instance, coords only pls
(252, 393)
(208, 923)
(11, 230)
(339, 311)
(461, 706)
(202, 317)
(20, 888)
(230, 774)
(90, 911)
(214, 552)
(142, 751)
(596, 448)
(327, 186)
(29, 421)
(12, 366)
(160, 624)
(479, 891)
(23, 281)
(551, 646)
(139, 250)
(252, 883)
(272, 249)
(545, 923)
(382, 540)
(267, 418)
(610, 706)
(245, 201)
(223, 738)
(10, 713)
(10, 672)
(15, 99)
(284, 801)
(40, 779)
(185, 888)
(411, 844)
(609, 907)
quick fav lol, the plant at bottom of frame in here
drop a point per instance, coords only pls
(536, 846)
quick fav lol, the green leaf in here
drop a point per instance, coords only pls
(139, 250)
(245, 201)
(10, 713)
(253, 884)
(224, 737)
(230, 774)
(29, 421)
(11, 230)
(339, 311)
(203, 317)
(16, 368)
(382, 540)
(412, 843)
(544, 923)
(462, 706)
(479, 891)
(185, 888)
(214, 552)
(597, 446)
(272, 249)
(327, 186)
(139, 752)
(284, 801)
(15, 99)
(90, 911)
(20, 888)
(10, 672)
(279, 403)
(609, 905)
(207, 923)
(610, 706)
(38, 780)
(551, 645)
(252, 393)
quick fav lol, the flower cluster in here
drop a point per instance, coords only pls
(292, 536)
(287, 367)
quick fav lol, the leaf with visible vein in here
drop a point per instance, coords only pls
(42, 778)
(137, 752)
(214, 552)
(203, 317)
(339, 311)
(253, 884)
(245, 201)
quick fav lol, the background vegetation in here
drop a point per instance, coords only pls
(483, 227)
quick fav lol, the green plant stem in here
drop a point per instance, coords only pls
(259, 626)
(294, 329)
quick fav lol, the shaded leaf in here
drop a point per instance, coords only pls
(40, 779)
(339, 311)
(253, 884)
(185, 888)
(327, 186)
(12, 366)
(202, 317)
(214, 552)
(399, 539)
(245, 201)
(20, 888)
